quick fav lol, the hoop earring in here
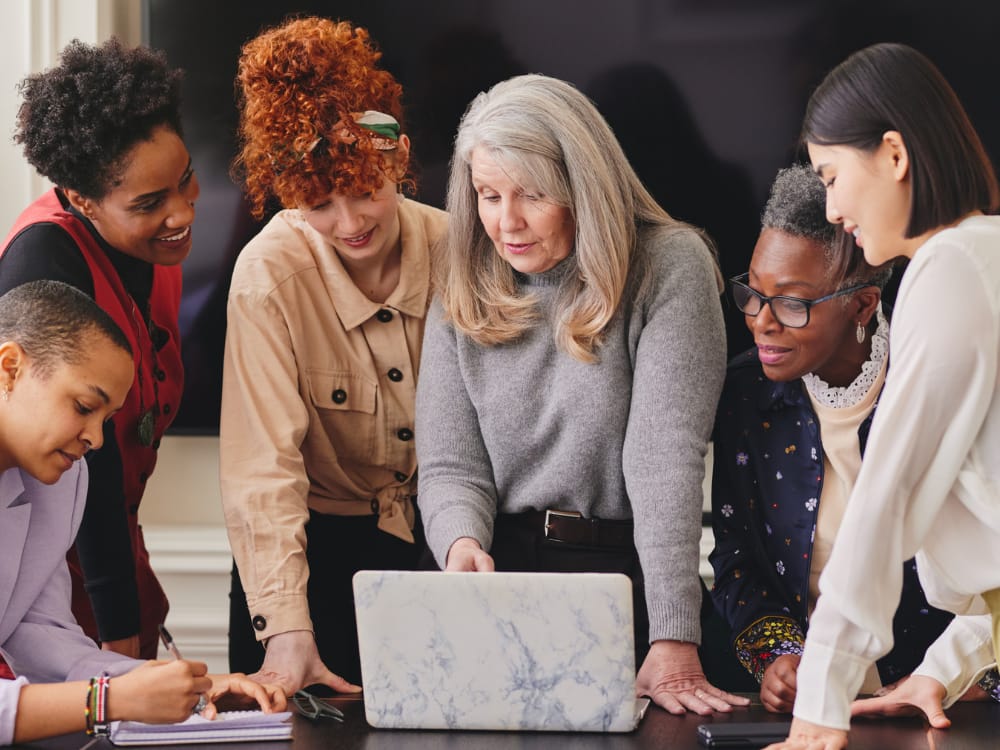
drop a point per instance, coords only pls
(860, 333)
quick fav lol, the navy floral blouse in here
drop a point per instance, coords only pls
(767, 482)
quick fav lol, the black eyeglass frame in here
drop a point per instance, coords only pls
(738, 281)
(312, 707)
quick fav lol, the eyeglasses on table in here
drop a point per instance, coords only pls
(312, 707)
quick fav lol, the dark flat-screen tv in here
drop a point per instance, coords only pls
(706, 97)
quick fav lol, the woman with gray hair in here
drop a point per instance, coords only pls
(791, 429)
(571, 366)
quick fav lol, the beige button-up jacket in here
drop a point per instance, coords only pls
(317, 401)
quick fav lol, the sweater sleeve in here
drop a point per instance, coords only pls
(680, 362)
(44, 251)
(104, 546)
(457, 493)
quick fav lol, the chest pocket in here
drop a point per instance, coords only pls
(345, 405)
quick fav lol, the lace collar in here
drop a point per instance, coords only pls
(847, 396)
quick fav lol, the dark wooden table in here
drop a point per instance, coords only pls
(975, 726)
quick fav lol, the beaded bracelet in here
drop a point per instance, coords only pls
(87, 714)
(96, 710)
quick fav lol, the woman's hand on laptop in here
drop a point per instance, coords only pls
(672, 676)
(466, 555)
(292, 661)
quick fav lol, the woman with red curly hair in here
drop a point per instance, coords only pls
(326, 318)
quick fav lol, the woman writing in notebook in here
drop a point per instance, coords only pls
(326, 318)
(65, 369)
(907, 175)
(570, 373)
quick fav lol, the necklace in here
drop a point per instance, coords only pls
(147, 417)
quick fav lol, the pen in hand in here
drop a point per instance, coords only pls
(169, 645)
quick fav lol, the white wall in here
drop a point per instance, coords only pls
(35, 32)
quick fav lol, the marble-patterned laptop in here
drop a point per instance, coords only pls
(508, 651)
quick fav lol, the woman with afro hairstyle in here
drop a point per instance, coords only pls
(326, 319)
(104, 127)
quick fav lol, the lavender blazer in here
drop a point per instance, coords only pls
(38, 636)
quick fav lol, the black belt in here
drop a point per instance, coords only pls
(570, 527)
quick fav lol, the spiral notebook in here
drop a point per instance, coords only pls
(228, 726)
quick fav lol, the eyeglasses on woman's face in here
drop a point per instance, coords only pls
(791, 312)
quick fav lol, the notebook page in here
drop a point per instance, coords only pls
(228, 726)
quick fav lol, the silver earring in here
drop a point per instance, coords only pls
(6, 393)
(860, 333)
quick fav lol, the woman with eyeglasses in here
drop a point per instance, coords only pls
(907, 175)
(790, 432)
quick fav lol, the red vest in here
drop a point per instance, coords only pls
(138, 460)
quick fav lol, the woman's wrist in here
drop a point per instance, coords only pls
(465, 541)
(96, 706)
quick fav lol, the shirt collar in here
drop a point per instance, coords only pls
(411, 293)
(11, 486)
(781, 394)
(770, 394)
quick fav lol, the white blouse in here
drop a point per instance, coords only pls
(930, 482)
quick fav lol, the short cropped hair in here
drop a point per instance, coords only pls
(79, 120)
(893, 87)
(52, 322)
(797, 206)
(295, 83)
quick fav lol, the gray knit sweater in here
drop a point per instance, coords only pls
(525, 426)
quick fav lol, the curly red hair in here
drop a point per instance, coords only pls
(295, 82)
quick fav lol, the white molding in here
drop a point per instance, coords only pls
(193, 564)
(189, 549)
(705, 547)
(184, 489)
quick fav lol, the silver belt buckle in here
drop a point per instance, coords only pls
(563, 513)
